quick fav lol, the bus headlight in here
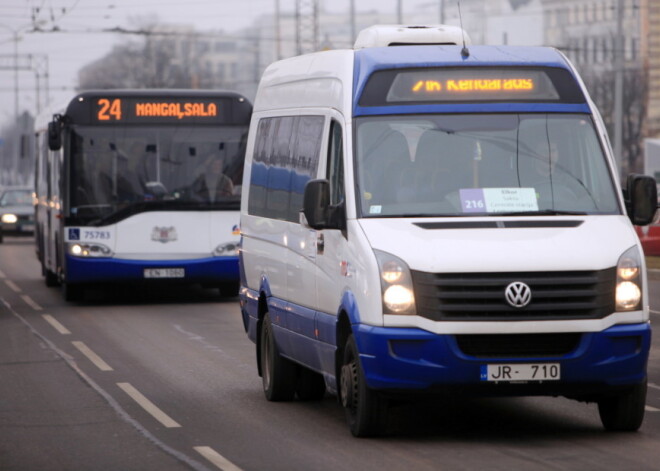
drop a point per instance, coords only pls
(9, 218)
(228, 249)
(629, 281)
(89, 250)
(396, 285)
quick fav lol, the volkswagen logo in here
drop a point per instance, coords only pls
(518, 294)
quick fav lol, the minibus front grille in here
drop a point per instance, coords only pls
(518, 345)
(480, 296)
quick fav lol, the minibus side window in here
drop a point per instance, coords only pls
(336, 164)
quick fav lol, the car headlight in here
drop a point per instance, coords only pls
(396, 285)
(228, 249)
(629, 281)
(89, 250)
(9, 218)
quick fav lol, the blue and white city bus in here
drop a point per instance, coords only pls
(141, 185)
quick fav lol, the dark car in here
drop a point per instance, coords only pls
(16, 211)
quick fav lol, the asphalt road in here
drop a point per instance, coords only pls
(166, 380)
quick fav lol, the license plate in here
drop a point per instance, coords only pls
(164, 273)
(521, 372)
(27, 227)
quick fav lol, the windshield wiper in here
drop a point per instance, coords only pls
(544, 212)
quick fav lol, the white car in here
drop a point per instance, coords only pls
(16, 211)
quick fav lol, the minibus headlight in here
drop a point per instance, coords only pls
(629, 281)
(398, 295)
(9, 218)
(229, 249)
(89, 250)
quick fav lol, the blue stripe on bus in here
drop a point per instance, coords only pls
(95, 270)
(472, 108)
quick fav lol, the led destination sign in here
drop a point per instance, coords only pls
(158, 110)
(470, 85)
(462, 84)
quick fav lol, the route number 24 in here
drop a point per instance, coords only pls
(109, 109)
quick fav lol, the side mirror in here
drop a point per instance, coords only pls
(55, 135)
(316, 201)
(642, 200)
(317, 210)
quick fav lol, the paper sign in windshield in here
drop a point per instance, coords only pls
(498, 200)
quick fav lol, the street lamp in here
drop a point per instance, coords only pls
(16, 38)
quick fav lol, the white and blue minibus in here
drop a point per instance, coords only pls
(141, 186)
(422, 216)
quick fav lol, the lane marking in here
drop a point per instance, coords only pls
(14, 287)
(654, 312)
(2, 274)
(216, 458)
(654, 386)
(30, 302)
(651, 409)
(91, 356)
(149, 406)
(56, 325)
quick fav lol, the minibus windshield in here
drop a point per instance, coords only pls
(481, 164)
(123, 167)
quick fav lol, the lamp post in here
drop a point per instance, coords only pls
(15, 39)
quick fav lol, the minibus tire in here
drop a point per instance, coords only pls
(51, 278)
(310, 385)
(624, 412)
(278, 374)
(366, 410)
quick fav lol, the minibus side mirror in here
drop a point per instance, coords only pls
(317, 209)
(55, 135)
(642, 199)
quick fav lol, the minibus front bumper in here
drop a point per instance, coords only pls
(410, 359)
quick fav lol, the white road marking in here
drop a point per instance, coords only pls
(654, 386)
(14, 287)
(149, 406)
(91, 356)
(651, 409)
(56, 325)
(2, 274)
(654, 312)
(30, 302)
(216, 458)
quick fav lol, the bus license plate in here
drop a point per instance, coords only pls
(521, 372)
(164, 273)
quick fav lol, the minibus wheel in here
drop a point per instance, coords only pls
(366, 410)
(72, 292)
(624, 412)
(278, 374)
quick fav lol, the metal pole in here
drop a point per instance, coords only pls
(278, 39)
(618, 89)
(442, 12)
(399, 12)
(16, 76)
(352, 14)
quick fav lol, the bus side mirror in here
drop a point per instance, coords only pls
(316, 201)
(55, 135)
(642, 201)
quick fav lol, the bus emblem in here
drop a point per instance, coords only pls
(163, 234)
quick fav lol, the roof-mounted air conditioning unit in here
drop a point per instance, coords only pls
(402, 35)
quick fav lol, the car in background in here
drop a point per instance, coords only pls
(16, 211)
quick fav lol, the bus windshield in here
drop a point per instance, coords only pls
(481, 164)
(116, 168)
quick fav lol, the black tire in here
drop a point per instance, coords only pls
(366, 410)
(72, 292)
(278, 374)
(51, 278)
(310, 385)
(2, 237)
(624, 412)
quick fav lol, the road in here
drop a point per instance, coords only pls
(166, 380)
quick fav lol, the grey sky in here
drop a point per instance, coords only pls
(81, 40)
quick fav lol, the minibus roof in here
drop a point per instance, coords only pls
(370, 60)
